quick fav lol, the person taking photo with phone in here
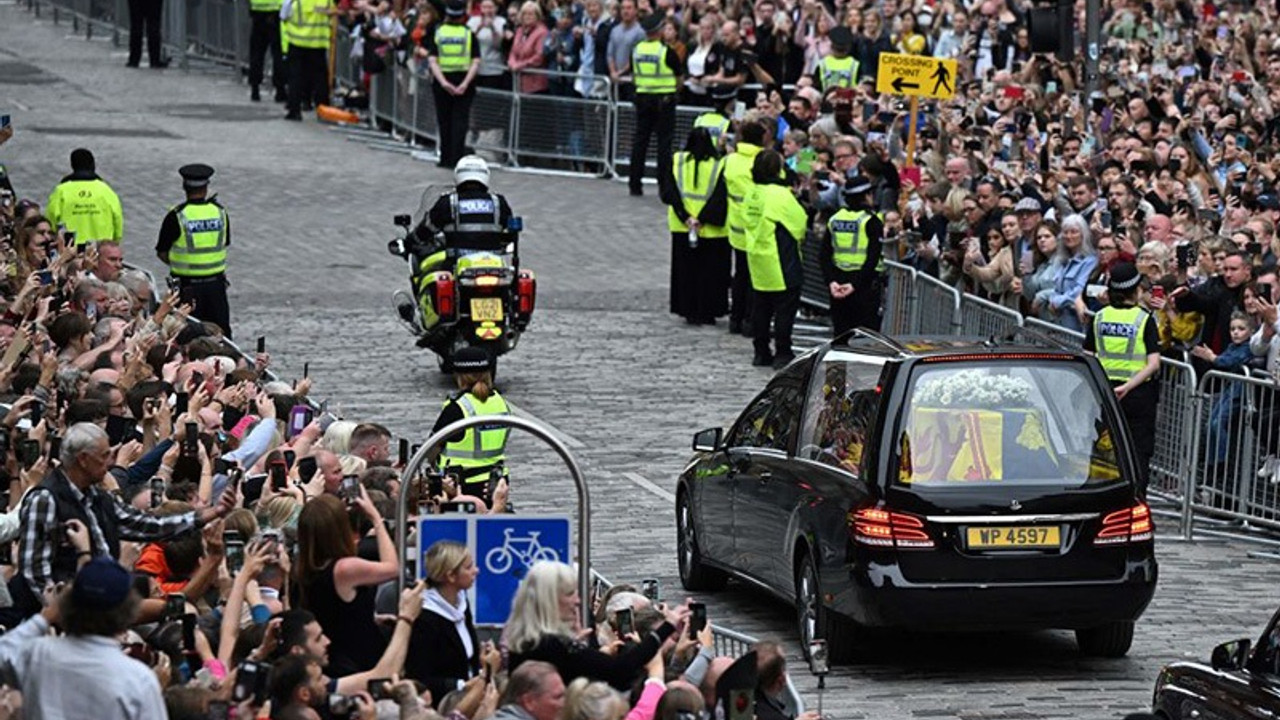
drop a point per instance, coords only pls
(339, 587)
(74, 491)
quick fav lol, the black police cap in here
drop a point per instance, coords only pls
(472, 359)
(652, 22)
(195, 175)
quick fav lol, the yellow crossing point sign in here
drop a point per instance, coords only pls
(917, 75)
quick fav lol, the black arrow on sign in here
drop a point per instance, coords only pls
(898, 85)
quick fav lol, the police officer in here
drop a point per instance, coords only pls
(838, 69)
(776, 223)
(84, 204)
(470, 217)
(852, 263)
(193, 242)
(700, 255)
(1127, 342)
(752, 137)
(307, 33)
(475, 453)
(264, 37)
(454, 57)
(656, 71)
(716, 121)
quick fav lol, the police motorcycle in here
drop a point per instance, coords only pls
(467, 293)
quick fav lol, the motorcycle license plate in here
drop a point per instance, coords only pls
(486, 309)
(984, 538)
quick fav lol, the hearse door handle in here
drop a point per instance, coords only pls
(766, 476)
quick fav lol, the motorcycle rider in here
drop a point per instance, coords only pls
(476, 452)
(469, 218)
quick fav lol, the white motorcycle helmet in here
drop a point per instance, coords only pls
(471, 168)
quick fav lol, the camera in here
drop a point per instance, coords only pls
(251, 682)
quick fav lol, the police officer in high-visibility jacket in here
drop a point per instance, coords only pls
(454, 56)
(656, 71)
(307, 33)
(193, 242)
(1126, 340)
(838, 69)
(700, 255)
(264, 37)
(85, 204)
(752, 137)
(852, 260)
(475, 453)
(775, 223)
(716, 121)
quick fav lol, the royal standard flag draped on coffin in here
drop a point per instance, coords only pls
(950, 444)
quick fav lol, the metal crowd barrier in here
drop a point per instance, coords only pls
(557, 130)
(985, 318)
(899, 299)
(1236, 475)
(1066, 336)
(1173, 460)
(937, 310)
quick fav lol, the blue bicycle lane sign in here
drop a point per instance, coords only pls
(504, 548)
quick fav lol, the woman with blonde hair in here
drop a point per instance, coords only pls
(444, 651)
(338, 587)
(526, 49)
(544, 625)
(474, 453)
(592, 700)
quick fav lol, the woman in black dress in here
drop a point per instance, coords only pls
(338, 587)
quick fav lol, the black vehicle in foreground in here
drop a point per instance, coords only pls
(927, 483)
(1240, 681)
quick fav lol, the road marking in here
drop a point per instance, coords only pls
(649, 485)
(19, 105)
(563, 437)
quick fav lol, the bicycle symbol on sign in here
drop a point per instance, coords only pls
(525, 549)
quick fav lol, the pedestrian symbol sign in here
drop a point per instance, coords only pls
(917, 75)
(504, 548)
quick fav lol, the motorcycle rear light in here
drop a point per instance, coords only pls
(446, 297)
(1126, 526)
(526, 293)
(884, 528)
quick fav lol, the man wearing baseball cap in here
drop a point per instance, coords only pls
(84, 673)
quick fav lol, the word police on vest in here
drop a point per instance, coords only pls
(204, 225)
(476, 206)
(195, 175)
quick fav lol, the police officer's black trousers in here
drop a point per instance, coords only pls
(308, 77)
(144, 20)
(209, 296)
(860, 309)
(654, 114)
(1139, 408)
(740, 291)
(453, 114)
(780, 308)
(264, 36)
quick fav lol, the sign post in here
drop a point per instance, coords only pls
(549, 539)
(916, 76)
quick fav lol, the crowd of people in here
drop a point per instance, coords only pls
(185, 536)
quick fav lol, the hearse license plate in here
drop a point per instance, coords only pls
(981, 538)
(484, 309)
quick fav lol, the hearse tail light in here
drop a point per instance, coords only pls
(884, 528)
(1125, 526)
